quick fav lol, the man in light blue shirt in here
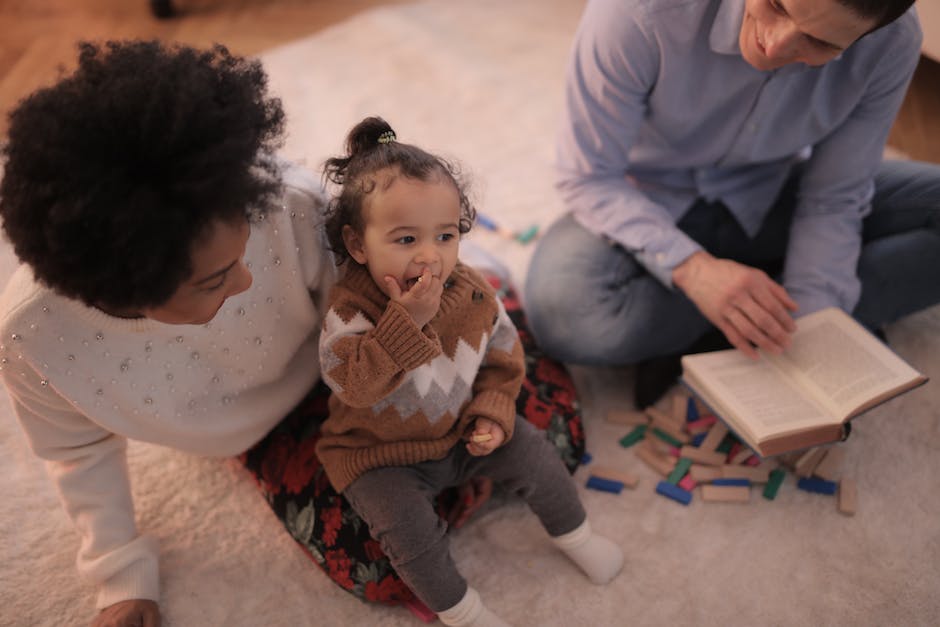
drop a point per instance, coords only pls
(711, 148)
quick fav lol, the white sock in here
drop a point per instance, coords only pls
(597, 556)
(470, 611)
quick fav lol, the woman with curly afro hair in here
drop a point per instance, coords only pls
(171, 291)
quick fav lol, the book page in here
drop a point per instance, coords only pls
(757, 392)
(842, 363)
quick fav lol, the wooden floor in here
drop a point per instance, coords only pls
(38, 43)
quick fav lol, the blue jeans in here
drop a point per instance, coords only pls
(590, 302)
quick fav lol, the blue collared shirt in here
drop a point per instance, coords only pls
(661, 109)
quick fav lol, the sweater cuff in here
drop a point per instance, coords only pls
(397, 332)
(496, 406)
(140, 579)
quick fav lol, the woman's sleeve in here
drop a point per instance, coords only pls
(89, 468)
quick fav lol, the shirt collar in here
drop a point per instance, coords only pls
(726, 28)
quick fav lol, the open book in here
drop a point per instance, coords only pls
(833, 371)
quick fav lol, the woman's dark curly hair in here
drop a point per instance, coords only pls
(113, 174)
(370, 148)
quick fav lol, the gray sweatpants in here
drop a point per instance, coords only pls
(397, 502)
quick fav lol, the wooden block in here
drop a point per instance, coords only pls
(819, 486)
(741, 456)
(658, 446)
(680, 407)
(788, 460)
(702, 408)
(662, 465)
(687, 483)
(481, 437)
(831, 465)
(636, 435)
(848, 497)
(714, 437)
(806, 464)
(777, 475)
(608, 472)
(768, 463)
(626, 417)
(729, 443)
(700, 425)
(752, 473)
(704, 474)
(723, 481)
(674, 492)
(709, 458)
(681, 467)
(726, 493)
(668, 426)
(658, 416)
(666, 437)
(422, 611)
(604, 485)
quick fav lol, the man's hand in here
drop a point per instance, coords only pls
(130, 613)
(422, 300)
(487, 436)
(749, 307)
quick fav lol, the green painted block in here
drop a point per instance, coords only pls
(633, 437)
(726, 444)
(682, 467)
(773, 483)
(665, 437)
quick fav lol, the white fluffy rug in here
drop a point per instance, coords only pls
(480, 80)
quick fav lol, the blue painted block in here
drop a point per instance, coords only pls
(812, 484)
(691, 412)
(698, 438)
(674, 492)
(744, 482)
(586, 458)
(604, 485)
(486, 222)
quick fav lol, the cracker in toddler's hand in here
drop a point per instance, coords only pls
(481, 437)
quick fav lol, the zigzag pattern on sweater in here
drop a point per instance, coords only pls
(439, 387)
(435, 389)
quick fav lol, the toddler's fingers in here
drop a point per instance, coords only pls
(394, 291)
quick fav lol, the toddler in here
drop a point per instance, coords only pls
(425, 367)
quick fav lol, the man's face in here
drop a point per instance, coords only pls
(775, 33)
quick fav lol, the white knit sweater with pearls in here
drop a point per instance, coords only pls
(82, 382)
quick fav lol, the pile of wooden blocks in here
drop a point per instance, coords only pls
(691, 449)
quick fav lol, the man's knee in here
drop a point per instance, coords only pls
(551, 318)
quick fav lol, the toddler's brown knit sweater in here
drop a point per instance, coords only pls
(404, 395)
